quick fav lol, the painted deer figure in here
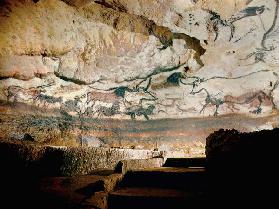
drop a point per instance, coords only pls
(210, 100)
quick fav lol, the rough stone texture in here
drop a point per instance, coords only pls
(82, 161)
(99, 200)
(89, 191)
(141, 60)
(129, 165)
(61, 161)
(173, 137)
(112, 181)
(242, 167)
(230, 149)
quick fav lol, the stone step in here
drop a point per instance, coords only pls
(188, 179)
(32, 159)
(88, 191)
(136, 164)
(145, 198)
(185, 162)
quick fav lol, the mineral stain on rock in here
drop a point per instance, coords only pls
(64, 64)
(116, 103)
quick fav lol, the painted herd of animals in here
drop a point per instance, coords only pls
(108, 103)
(113, 101)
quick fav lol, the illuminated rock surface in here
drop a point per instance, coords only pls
(136, 73)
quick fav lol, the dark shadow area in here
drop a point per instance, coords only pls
(239, 171)
(185, 162)
(242, 168)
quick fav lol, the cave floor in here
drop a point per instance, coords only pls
(164, 187)
(185, 183)
(147, 188)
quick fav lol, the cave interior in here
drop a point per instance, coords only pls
(109, 104)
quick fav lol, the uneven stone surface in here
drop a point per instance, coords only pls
(185, 162)
(140, 60)
(160, 187)
(152, 197)
(183, 178)
(88, 191)
(242, 167)
(230, 148)
(176, 138)
(62, 161)
(129, 165)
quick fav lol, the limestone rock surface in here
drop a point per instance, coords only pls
(124, 60)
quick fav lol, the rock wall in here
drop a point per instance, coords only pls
(230, 149)
(126, 60)
(240, 166)
(31, 159)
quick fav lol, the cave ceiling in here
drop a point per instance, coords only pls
(141, 59)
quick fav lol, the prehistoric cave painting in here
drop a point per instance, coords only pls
(139, 111)
(46, 100)
(111, 109)
(81, 109)
(143, 84)
(254, 99)
(34, 95)
(106, 97)
(17, 93)
(197, 81)
(168, 90)
(114, 109)
(156, 71)
(116, 96)
(210, 100)
(268, 42)
(178, 78)
(251, 30)
(164, 105)
(215, 20)
(78, 106)
(172, 80)
(142, 87)
(141, 97)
